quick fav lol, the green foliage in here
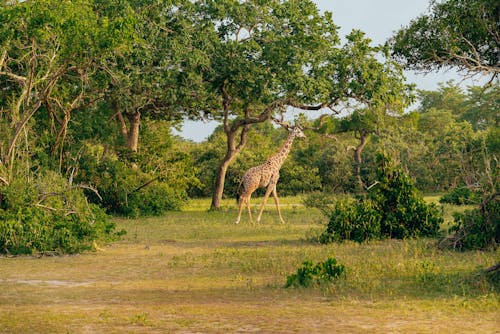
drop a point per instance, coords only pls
(404, 210)
(476, 229)
(454, 136)
(458, 33)
(153, 200)
(319, 200)
(392, 208)
(50, 216)
(296, 178)
(461, 196)
(309, 274)
(357, 220)
(124, 190)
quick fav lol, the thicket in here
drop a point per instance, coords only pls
(391, 208)
(50, 216)
(149, 183)
(122, 190)
(476, 229)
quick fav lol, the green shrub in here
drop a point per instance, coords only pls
(476, 229)
(126, 191)
(461, 196)
(154, 200)
(309, 274)
(352, 220)
(404, 210)
(48, 215)
(391, 208)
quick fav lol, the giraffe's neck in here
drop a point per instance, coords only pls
(279, 157)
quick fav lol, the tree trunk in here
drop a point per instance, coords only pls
(133, 133)
(358, 160)
(119, 117)
(220, 180)
(232, 152)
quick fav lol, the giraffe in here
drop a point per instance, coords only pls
(265, 175)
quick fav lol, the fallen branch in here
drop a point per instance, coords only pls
(144, 185)
(492, 268)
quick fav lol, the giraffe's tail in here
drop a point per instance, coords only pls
(238, 192)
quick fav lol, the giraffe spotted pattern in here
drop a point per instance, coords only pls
(265, 176)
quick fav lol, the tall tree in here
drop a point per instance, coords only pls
(463, 34)
(48, 53)
(365, 86)
(266, 57)
(158, 75)
(362, 123)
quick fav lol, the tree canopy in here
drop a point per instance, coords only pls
(266, 56)
(463, 34)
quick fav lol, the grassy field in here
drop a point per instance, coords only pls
(197, 272)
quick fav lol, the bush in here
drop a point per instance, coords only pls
(154, 200)
(352, 220)
(476, 229)
(404, 210)
(122, 190)
(392, 208)
(461, 196)
(309, 274)
(50, 216)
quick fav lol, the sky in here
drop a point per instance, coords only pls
(379, 20)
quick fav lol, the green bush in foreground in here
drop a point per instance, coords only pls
(392, 208)
(352, 220)
(309, 274)
(49, 216)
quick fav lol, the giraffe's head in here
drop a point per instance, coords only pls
(297, 132)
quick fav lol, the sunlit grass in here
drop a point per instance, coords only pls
(196, 271)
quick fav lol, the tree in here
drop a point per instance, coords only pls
(365, 88)
(483, 107)
(266, 57)
(462, 34)
(362, 123)
(158, 74)
(48, 54)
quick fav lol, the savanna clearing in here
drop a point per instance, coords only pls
(196, 272)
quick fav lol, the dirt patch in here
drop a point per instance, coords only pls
(53, 283)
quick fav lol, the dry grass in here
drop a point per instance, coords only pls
(196, 272)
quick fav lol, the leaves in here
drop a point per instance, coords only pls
(309, 274)
(457, 33)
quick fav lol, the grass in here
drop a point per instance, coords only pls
(195, 271)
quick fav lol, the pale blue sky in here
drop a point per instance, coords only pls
(379, 19)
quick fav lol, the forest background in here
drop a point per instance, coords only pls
(91, 90)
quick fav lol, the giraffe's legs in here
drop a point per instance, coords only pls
(264, 201)
(275, 195)
(240, 208)
(248, 208)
